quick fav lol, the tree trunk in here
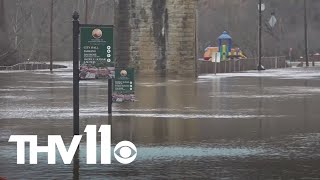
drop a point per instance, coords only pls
(3, 34)
(6, 52)
(2, 18)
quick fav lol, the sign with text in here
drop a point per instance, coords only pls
(123, 89)
(216, 57)
(96, 50)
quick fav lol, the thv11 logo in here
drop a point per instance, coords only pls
(127, 150)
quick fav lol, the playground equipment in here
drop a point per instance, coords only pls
(236, 53)
(225, 45)
(224, 49)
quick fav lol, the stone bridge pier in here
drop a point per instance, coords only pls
(156, 36)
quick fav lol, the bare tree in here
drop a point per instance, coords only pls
(5, 50)
(19, 20)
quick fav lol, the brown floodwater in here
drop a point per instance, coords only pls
(252, 125)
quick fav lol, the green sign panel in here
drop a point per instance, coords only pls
(124, 85)
(96, 48)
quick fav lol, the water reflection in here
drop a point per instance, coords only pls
(225, 126)
(76, 165)
(305, 109)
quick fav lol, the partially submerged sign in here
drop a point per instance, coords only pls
(96, 50)
(216, 57)
(123, 89)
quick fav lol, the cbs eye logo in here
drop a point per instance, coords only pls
(125, 152)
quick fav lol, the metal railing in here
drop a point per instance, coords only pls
(239, 65)
(31, 66)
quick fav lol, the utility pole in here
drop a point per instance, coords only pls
(86, 12)
(51, 31)
(306, 33)
(260, 36)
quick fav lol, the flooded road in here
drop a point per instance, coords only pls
(234, 126)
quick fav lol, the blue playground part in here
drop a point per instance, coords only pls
(225, 37)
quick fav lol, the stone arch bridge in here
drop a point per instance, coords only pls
(156, 36)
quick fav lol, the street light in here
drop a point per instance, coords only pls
(261, 8)
(51, 34)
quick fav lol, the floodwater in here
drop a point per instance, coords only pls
(235, 126)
